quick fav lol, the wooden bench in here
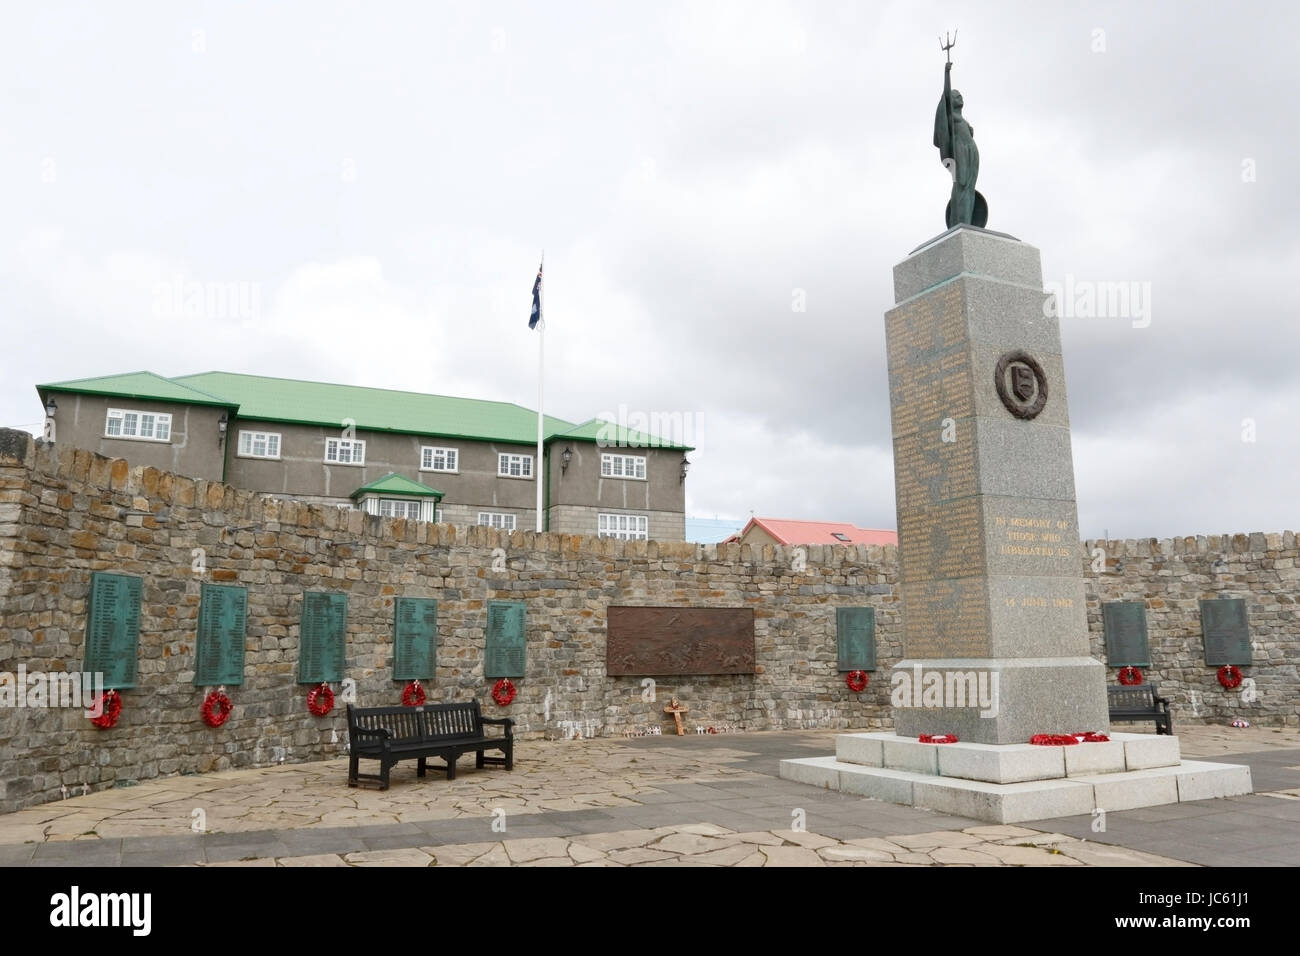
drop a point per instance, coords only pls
(1136, 702)
(392, 734)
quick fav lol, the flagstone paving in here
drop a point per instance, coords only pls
(711, 801)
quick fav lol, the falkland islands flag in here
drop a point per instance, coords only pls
(536, 317)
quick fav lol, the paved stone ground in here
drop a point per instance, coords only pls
(652, 801)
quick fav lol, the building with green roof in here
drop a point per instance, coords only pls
(388, 452)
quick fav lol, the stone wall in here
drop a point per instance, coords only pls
(1171, 576)
(66, 513)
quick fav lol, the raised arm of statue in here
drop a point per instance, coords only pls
(943, 117)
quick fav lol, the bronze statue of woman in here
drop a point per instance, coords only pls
(961, 157)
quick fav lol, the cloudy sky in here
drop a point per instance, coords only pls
(374, 183)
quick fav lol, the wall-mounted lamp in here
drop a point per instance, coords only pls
(686, 466)
(566, 456)
(222, 424)
(50, 409)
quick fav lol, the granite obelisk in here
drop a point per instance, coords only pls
(992, 580)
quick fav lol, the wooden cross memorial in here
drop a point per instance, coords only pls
(677, 709)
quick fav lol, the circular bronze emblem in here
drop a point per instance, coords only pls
(1021, 383)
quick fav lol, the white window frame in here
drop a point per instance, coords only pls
(158, 422)
(356, 451)
(430, 453)
(507, 462)
(501, 520)
(408, 505)
(623, 526)
(426, 509)
(253, 436)
(631, 467)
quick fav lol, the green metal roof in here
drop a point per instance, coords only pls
(612, 434)
(262, 398)
(395, 484)
(143, 385)
(374, 409)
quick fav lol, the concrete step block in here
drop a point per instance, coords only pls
(1202, 780)
(879, 783)
(1087, 759)
(821, 772)
(1133, 788)
(1003, 802)
(864, 749)
(1145, 751)
(908, 753)
(1000, 763)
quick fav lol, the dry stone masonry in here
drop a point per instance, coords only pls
(67, 513)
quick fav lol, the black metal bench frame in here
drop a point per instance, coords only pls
(393, 734)
(1138, 702)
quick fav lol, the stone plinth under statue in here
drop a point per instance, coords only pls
(995, 630)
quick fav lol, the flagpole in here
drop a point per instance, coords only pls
(540, 472)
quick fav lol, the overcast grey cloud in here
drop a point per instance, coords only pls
(380, 180)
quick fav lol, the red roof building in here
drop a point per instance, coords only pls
(762, 531)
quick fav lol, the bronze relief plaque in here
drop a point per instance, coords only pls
(696, 641)
(1021, 384)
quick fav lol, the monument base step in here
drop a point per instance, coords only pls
(1008, 763)
(1070, 785)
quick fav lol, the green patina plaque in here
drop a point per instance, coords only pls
(855, 636)
(504, 652)
(321, 637)
(1226, 632)
(1125, 625)
(112, 643)
(415, 638)
(219, 647)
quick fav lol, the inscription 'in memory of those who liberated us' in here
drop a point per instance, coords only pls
(1034, 537)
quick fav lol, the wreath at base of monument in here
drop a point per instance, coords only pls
(857, 681)
(503, 692)
(1129, 676)
(1092, 738)
(216, 709)
(413, 694)
(320, 699)
(110, 703)
(1230, 676)
(1053, 740)
(937, 738)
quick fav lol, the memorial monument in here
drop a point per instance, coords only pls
(996, 647)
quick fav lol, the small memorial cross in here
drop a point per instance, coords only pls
(677, 709)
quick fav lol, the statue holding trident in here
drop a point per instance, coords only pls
(961, 157)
